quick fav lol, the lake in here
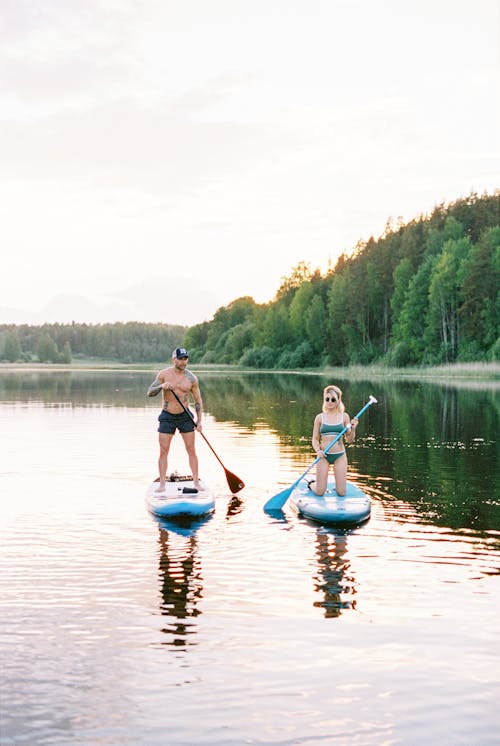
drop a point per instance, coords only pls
(248, 628)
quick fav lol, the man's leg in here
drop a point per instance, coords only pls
(193, 458)
(164, 439)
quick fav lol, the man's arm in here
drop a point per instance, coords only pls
(155, 387)
(198, 403)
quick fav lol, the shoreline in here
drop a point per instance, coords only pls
(453, 371)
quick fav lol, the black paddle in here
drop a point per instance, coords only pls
(234, 482)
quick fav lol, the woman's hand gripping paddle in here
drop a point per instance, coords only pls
(234, 482)
(277, 502)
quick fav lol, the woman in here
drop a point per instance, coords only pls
(327, 425)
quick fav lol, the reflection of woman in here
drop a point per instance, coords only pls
(327, 425)
(333, 578)
(181, 584)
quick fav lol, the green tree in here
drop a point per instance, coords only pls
(66, 354)
(378, 289)
(196, 339)
(480, 289)
(277, 330)
(315, 323)
(12, 350)
(442, 330)
(402, 278)
(298, 308)
(407, 341)
(47, 349)
(300, 273)
(339, 304)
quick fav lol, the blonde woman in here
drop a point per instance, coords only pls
(327, 425)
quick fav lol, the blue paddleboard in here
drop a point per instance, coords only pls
(351, 509)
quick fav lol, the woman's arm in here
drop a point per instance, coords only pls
(316, 436)
(351, 433)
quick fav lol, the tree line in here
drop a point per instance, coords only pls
(130, 342)
(424, 293)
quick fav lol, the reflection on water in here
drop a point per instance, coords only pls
(235, 506)
(117, 628)
(334, 580)
(181, 585)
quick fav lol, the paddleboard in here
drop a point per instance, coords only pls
(180, 499)
(351, 509)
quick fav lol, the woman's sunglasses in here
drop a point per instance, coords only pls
(331, 398)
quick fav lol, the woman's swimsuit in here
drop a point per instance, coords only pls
(327, 429)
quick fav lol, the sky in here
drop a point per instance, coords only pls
(160, 159)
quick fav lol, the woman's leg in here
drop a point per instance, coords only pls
(319, 486)
(340, 471)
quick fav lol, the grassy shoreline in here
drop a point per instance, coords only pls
(454, 371)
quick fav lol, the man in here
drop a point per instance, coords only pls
(177, 378)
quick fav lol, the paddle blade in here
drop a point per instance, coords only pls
(277, 502)
(234, 482)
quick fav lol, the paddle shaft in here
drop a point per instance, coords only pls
(234, 482)
(277, 502)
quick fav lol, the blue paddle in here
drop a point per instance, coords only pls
(277, 502)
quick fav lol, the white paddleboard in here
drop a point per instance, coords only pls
(180, 499)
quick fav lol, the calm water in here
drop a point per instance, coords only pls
(247, 629)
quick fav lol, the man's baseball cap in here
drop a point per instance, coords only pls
(179, 353)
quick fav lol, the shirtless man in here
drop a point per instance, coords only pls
(179, 379)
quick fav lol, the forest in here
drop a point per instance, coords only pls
(424, 293)
(131, 342)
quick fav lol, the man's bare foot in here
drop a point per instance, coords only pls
(159, 489)
(196, 483)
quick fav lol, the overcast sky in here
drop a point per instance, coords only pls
(159, 159)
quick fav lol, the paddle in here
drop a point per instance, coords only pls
(277, 502)
(234, 482)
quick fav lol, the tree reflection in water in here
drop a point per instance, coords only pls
(333, 579)
(181, 585)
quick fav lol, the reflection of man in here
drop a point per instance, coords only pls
(181, 585)
(177, 378)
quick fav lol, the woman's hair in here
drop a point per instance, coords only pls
(335, 390)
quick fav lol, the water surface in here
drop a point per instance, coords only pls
(118, 629)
